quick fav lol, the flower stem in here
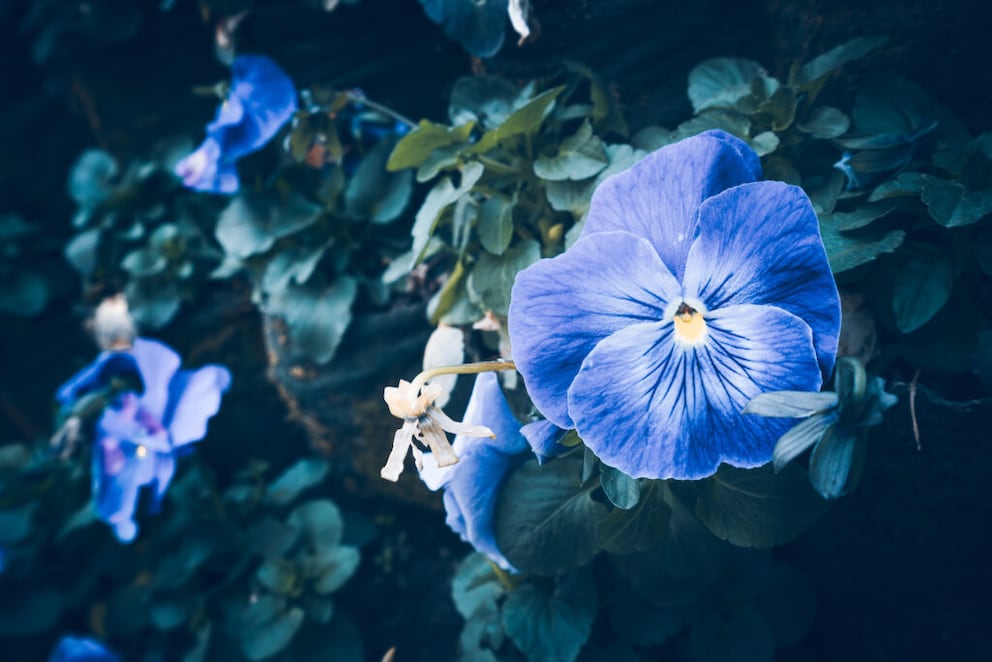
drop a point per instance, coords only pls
(463, 369)
(354, 96)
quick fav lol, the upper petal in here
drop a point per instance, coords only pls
(560, 308)
(194, 396)
(97, 375)
(653, 408)
(267, 98)
(658, 197)
(157, 363)
(543, 437)
(760, 244)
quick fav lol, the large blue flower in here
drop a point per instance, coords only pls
(139, 436)
(471, 487)
(261, 100)
(692, 289)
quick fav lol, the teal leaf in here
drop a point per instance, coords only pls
(715, 118)
(142, 263)
(152, 302)
(644, 623)
(294, 264)
(438, 199)
(721, 82)
(846, 252)
(415, 147)
(922, 287)
(552, 627)
(320, 523)
(81, 251)
(15, 524)
(800, 437)
(906, 183)
(267, 628)
(165, 616)
(952, 205)
(375, 193)
(574, 197)
(525, 120)
(579, 156)
(492, 277)
(442, 158)
(278, 576)
(496, 224)
(317, 319)
(825, 122)
(332, 567)
(487, 100)
(639, 529)
(622, 490)
(764, 143)
(91, 176)
(791, 404)
(837, 57)
(830, 465)
(863, 216)
(477, 593)
(294, 481)
(757, 507)
(545, 518)
(24, 294)
(250, 225)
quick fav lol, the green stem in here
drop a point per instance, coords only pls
(463, 369)
(385, 110)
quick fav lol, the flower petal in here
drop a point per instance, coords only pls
(760, 244)
(560, 309)
(402, 442)
(97, 375)
(658, 197)
(157, 363)
(543, 437)
(473, 485)
(652, 408)
(194, 396)
(268, 97)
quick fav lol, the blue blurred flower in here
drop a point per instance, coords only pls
(692, 289)
(471, 487)
(478, 25)
(262, 99)
(81, 649)
(139, 436)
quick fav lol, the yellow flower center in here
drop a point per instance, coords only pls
(690, 327)
(141, 451)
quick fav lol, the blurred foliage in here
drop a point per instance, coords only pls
(31, 273)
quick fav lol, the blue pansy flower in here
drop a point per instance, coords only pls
(471, 486)
(139, 436)
(478, 25)
(692, 288)
(81, 649)
(262, 99)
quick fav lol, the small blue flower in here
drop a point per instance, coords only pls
(692, 289)
(262, 99)
(139, 436)
(478, 25)
(471, 487)
(81, 649)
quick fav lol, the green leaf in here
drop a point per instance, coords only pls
(906, 183)
(320, 522)
(574, 197)
(91, 176)
(639, 529)
(439, 198)
(251, 224)
(477, 592)
(488, 100)
(492, 277)
(545, 518)
(579, 156)
(952, 205)
(294, 481)
(525, 120)
(790, 404)
(496, 224)
(922, 287)
(142, 263)
(830, 465)
(849, 251)
(374, 193)
(825, 122)
(277, 575)
(152, 302)
(715, 118)
(837, 57)
(757, 507)
(622, 490)
(552, 628)
(862, 216)
(317, 319)
(267, 629)
(721, 82)
(800, 437)
(416, 147)
(764, 143)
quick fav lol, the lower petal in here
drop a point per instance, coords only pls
(653, 408)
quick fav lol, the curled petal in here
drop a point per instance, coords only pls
(404, 401)
(262, 99)
(652, 408)
(402, 441)
(555, 322)
(157, 363)
(760, 244)
(433, 436)
(194, 397)
(208, 169)
(543, 437)
(658, 197)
